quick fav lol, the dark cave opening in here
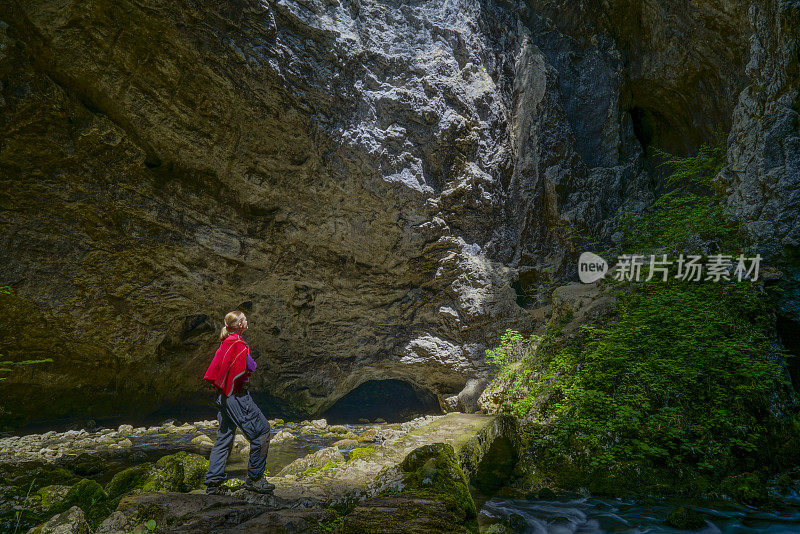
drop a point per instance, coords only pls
(789, 334)
(526, 289)
(644, 126)
(391, 400)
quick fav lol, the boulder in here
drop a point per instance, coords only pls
(329, 456)
(72, 521)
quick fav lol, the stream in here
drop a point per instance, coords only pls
(590, 516)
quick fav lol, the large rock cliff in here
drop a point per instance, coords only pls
(381, 186)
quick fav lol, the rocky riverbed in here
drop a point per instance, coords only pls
(108, 480)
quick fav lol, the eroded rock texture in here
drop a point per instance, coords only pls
(380, 185)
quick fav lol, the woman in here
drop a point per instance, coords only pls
(228, 373)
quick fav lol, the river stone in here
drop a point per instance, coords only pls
(369, 436)
(282, 437)
(319, 459)
(72, 521)
(346, 443)
(685, 519)
(320, 423)
(240, 443)
(203, 440)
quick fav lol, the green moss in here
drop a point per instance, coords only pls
(35, 475)
(128, 480)
(685, 519)
(433, 471)
(181, 472)
(233, 483)
(359, 453)
(90, 497)
(50, 496)
(329, 465)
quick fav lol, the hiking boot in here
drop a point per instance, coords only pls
(259, 486)
(217, 489)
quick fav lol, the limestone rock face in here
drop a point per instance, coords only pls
(762, 178)
(380, 186)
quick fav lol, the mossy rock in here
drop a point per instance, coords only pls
(86, 464)
(35, 475)
(128, 480)
(685, 519)
(368, 436)
(72, 521)
(311, 463)
(181, 472)
(360, 453)
(233, 483)
(90, 497)
(433, 471)
(50, 496)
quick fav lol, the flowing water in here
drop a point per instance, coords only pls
(590, 516)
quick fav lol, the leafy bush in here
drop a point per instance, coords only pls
(689, 216)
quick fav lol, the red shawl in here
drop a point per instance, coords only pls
(229, 363)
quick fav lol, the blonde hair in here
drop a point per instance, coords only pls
(232, 320)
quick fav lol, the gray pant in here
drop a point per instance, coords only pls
(239, 409)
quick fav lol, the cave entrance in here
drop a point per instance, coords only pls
(391, 400)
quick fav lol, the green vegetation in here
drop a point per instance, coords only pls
(678, 389)
(315, 469)
(359, 453)
(688, 214)
(331, 525)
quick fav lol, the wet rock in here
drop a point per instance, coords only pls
(685, 519)
(87, 494)
(72, 521)
(329, 456)
(128, 480)
(240, 443)
(369, 436)
(283, 436)
(202, 440)
(402, 514)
